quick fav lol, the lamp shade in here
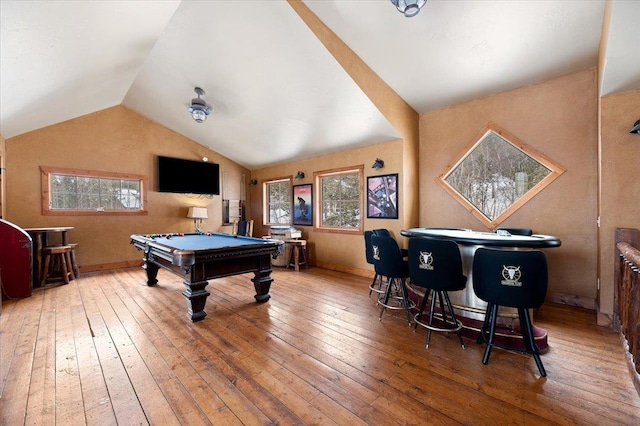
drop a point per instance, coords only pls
(197, 213)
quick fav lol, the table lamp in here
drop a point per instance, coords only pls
(197, 214)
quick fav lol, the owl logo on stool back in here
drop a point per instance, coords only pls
(426, 260)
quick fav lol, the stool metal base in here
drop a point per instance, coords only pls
(396, 297)
(451, 324)
(376, 285)
(526, 328)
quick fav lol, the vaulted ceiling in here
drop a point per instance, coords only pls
(277, 93)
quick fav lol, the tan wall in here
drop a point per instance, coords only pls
(620, 170)
(395, 109)
(331, 250)
(114, 140)
(557, 118)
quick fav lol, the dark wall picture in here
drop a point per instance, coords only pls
(302, 205)
(382, 196)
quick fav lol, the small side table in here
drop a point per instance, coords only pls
(298, 254)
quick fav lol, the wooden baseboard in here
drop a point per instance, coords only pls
(347, 269)
(572, 300)
(107, 266)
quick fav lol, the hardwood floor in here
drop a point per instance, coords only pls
(107, 349)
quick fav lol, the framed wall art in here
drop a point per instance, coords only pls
(303, 205)
(382, 196)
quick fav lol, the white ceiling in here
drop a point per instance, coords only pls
(277, 94)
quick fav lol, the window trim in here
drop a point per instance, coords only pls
(555, 171)
(317, 176)
(265, 200)
(45, 178)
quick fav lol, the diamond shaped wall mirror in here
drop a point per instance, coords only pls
(497, 174)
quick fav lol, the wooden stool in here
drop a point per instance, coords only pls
(57, 257)
(74, 265)
(298, 254)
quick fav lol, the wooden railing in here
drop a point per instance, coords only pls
(627, 297)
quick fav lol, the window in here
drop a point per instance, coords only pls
(339, 195)
(81, 192)
(498, 174)
(277, 196)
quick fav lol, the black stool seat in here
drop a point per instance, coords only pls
(511, 278)
(389, 262)
(436, 266)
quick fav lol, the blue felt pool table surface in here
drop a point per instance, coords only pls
(204, 241)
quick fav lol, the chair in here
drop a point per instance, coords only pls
(517, 231)
(382, 232)
(510, 278)
(376, 284)
(385, 233)
(436, 266)
(243, 228)
(388, 262)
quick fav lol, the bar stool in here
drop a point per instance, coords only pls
(376, 283)
(57, 259)
(389, 262)
(510, 278)
(298, 254)
(436, 266)
(74, 265)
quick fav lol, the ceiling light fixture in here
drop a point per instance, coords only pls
(636, 127)
(409, 8)
(199, 108)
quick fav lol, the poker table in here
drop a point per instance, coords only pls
(199, 257)
(469, 241)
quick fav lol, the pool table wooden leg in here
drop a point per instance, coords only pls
(262, 283)
(152, 272)
(196, 297)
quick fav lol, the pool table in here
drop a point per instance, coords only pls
(198, 257)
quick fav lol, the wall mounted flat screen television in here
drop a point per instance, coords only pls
(188, 176)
